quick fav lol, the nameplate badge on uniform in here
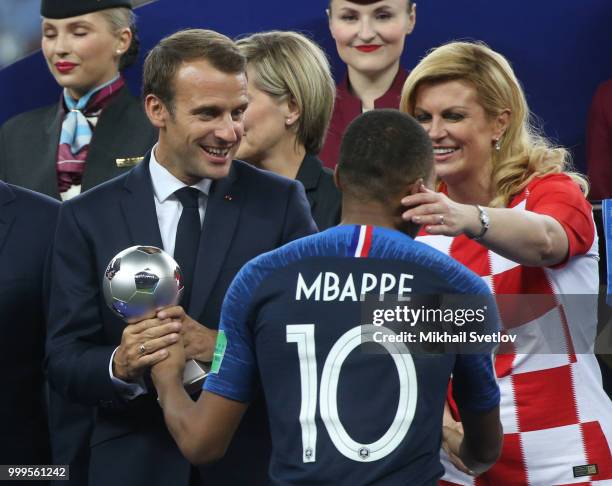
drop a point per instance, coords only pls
(586, 470)
(128, 162)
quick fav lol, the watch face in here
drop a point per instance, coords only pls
(484, 218)
(484, 222)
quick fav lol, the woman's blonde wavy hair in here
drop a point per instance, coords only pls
(524, 152)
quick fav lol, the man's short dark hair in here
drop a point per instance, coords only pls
(164, 60)
(382, 153)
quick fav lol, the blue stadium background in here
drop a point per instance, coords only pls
(561, 50)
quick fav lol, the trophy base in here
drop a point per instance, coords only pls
(194, 374)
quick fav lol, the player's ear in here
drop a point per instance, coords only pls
(415, 187)
(337, 179)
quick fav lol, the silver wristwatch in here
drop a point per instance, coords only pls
(483, 216)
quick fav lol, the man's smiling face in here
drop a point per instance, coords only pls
(202, 130)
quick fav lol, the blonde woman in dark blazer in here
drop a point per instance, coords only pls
(291, 97)
(97, 129)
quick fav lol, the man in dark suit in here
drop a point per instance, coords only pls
(195, 93)
(27, 224)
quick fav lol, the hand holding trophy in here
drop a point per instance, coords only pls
(141, 279)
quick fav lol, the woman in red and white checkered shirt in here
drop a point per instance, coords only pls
(509, 208)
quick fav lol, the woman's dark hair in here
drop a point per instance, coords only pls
(366, 2)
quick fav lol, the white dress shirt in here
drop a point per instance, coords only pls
(169, 210)
(167, 205)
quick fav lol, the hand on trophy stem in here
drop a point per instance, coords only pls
(198, 339)
(143, 344)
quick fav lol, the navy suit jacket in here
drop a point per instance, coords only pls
(27, 225)
(248, 213)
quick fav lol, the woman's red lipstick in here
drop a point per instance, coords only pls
(368, 47)
(65, 67)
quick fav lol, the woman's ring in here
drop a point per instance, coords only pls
(142, 349)
(441, 219)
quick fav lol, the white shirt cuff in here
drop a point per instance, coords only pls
(129, 391)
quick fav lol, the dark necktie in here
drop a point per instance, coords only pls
(187, 238)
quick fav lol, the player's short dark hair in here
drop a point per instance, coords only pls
(164, 60)
(382, 153)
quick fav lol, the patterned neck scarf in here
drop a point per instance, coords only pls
(77, 129)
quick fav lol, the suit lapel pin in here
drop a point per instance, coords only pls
(227, 197)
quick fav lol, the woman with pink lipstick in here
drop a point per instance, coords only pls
(370, 36)
(98, 129)
(509, 208)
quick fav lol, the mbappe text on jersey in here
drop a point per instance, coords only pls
(327, 286)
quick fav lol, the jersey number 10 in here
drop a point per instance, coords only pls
(304, 336)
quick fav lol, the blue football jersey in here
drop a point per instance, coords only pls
(292, 323)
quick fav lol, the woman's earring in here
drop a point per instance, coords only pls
(498, 145)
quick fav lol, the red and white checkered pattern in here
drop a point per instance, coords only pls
(554, 411)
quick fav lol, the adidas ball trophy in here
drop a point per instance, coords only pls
(144, 278)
